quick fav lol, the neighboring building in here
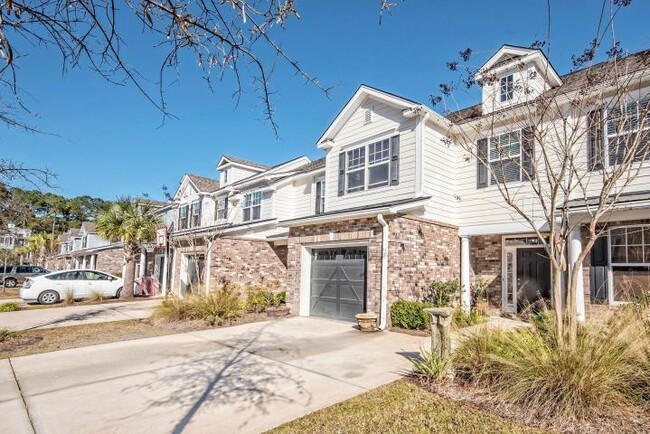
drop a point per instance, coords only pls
(394, 204)
(13, 237)
(83, 248)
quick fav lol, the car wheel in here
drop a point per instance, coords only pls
(118, 293)
(11, 283)
(48, 297)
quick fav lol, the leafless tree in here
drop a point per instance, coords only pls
(559, 152)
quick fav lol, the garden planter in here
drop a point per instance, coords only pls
(367, 321)
(277, 312)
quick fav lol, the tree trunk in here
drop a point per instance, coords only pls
(129, 274)
(557, 304)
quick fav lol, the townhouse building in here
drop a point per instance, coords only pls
(399, 199)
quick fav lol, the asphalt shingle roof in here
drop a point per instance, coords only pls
(246, 162)
(206, 185)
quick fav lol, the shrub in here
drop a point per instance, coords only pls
(606, 372)
(442, 293)
(96, 297)
(409, 314)
(259, 298)
(9, 307)
(213, 308)
(460, 318)
(6, 334)
(68, 297)
(430, 367)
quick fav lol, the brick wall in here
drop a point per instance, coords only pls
(485, 262)
(419, 251)
(110, 261)
(247, 262)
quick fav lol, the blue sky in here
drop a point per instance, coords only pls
(109, 140)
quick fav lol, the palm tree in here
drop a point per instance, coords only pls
(41, 244)
(132, 223)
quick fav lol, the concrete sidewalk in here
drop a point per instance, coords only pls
(73, 315)
(243, 379)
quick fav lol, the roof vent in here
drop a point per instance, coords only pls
(368, 116)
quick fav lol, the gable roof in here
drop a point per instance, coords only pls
(87, 227)
(572, 81)
(314, 165)
(508, 54)
(241, 162)
(203, 184)
(354, 103)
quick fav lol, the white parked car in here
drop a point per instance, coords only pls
(52, 287)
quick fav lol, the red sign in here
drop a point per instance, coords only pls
(161, 237)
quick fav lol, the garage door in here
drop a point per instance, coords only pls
(338, 283)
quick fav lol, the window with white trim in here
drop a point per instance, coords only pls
(504, 156)
(252, 206)
(319, 205)
(362, 173)
(196, 214)
(221, 206)
(630, 261)
(628, 126)
(182, 217)
(507, 88)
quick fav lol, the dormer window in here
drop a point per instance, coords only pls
(507, 88)
(225, 176)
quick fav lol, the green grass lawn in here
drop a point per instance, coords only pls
(401, 407)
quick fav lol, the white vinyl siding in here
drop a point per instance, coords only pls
(387, 121)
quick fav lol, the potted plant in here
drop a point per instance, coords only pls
(367, 321)
(277, 306)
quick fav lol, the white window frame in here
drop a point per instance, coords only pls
(187, 216)
(612, 264)
(219, 206)
(367, 165)
(507, 88)
(500, 158)
(251, 206)
(195, 205)
(607, 136)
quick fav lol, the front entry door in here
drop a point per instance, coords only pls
(338, 283)
(533, 276)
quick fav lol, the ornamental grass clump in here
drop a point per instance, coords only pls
(606, 372)
(430, 367)
(213, 308)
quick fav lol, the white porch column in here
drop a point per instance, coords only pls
(465, 293)
(575, 249)
(93, 265)
(143, 262)
(83, 262)
(76, 263)
(206, 267)
(164, 272)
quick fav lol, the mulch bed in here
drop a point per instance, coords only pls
(638, 421)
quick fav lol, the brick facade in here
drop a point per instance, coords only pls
(419, 251)
(485, 263)
(110, 260)
(237, 260)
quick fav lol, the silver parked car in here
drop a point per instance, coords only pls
(15, 275)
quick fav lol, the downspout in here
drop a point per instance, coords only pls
(383, 302)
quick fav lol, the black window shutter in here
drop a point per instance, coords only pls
(595, 139)
(528, 154)
(481, 168)
(200, 211)
(341, 173)
(394, 160)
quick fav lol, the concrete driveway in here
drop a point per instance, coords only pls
(62, 316)
(242, 379)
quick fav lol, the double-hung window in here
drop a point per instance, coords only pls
(369, 166)
(630, 260)
(507, 88)
(183, 217)
(627, 128)
(319, 206)
(252, 208)
(222, 209)
(504, 156)
(356, 169)
(378, 163)
(196, 214)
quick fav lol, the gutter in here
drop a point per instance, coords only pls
(383, 302)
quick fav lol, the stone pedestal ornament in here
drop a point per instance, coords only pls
(367, 321)
(440, 331)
